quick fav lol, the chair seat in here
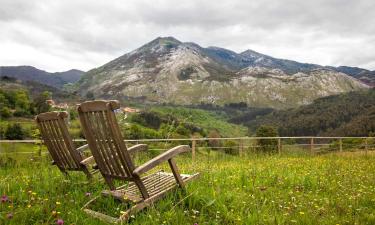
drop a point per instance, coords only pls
(155, 184)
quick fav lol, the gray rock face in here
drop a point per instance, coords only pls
(169, 71)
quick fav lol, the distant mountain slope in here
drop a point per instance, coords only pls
(169, 71)
(29, 73)
(350, 114)
(34, 88)
(366, 76)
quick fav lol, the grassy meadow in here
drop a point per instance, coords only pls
(335, 188)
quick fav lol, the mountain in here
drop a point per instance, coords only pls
(34, 88)
(366, 76)
(166, 70)
(349, 114)
(29, 73)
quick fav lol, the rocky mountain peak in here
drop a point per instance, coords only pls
(167, 70)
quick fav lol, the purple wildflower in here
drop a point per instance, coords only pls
(88, 194)
(60, 222)
(4, 198)
(9, 215)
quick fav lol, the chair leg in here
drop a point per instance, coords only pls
(176, 173)
(141, 188)
(110, 183)
(88, 174)
(66, 174)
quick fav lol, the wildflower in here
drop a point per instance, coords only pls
(9, 215)
(87, 194)
(302, 213)
(54, 213)
(59, 222)
(195, 223)
(4, 198)
(28, 206)
(58, 203)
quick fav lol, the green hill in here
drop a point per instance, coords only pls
(350, 114)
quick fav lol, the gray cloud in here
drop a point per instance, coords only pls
(83, 34)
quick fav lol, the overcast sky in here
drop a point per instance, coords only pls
(83, 34)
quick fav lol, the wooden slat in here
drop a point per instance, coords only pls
(150, 200)
(161, 158)
(110, 148)
(70, 147)
(62, 161)
(60, 141)
(56, 136)
(93, 106)
(51, 116)
(65, 149)
(45, 134)
(87, 126)
(99, 141)
(101, 216)
(119, 141)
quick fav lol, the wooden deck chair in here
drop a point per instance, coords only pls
(56, 137)
(115, 162)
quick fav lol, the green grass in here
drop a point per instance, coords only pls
(255, 189)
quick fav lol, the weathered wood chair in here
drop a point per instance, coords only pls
(115, 162)
(55, 135)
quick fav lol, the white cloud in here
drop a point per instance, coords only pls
(83, 34)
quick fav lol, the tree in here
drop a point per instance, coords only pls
(5, 112)
(14, 132)
(214, 143)
(22, 100)
(41, 102)
(90, 95)
(3, 100)
(267, 145)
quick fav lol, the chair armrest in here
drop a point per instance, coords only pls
(82, 148)
(137, 148)
(88, 160)
(161, 158)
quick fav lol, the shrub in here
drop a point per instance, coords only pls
(137, 132)
(231, 147)
(214, 143)
(182, 130)
(14, 132)
(20, 112)
(5, 112)
(148, 119)
(267, 145)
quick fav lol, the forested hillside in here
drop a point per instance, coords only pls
(351, 114)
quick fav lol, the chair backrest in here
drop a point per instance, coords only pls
(100, 127)
(58, 140)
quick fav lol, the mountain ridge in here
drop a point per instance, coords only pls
(30, 73)
(166, 70)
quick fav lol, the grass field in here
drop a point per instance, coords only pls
(337, 188)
